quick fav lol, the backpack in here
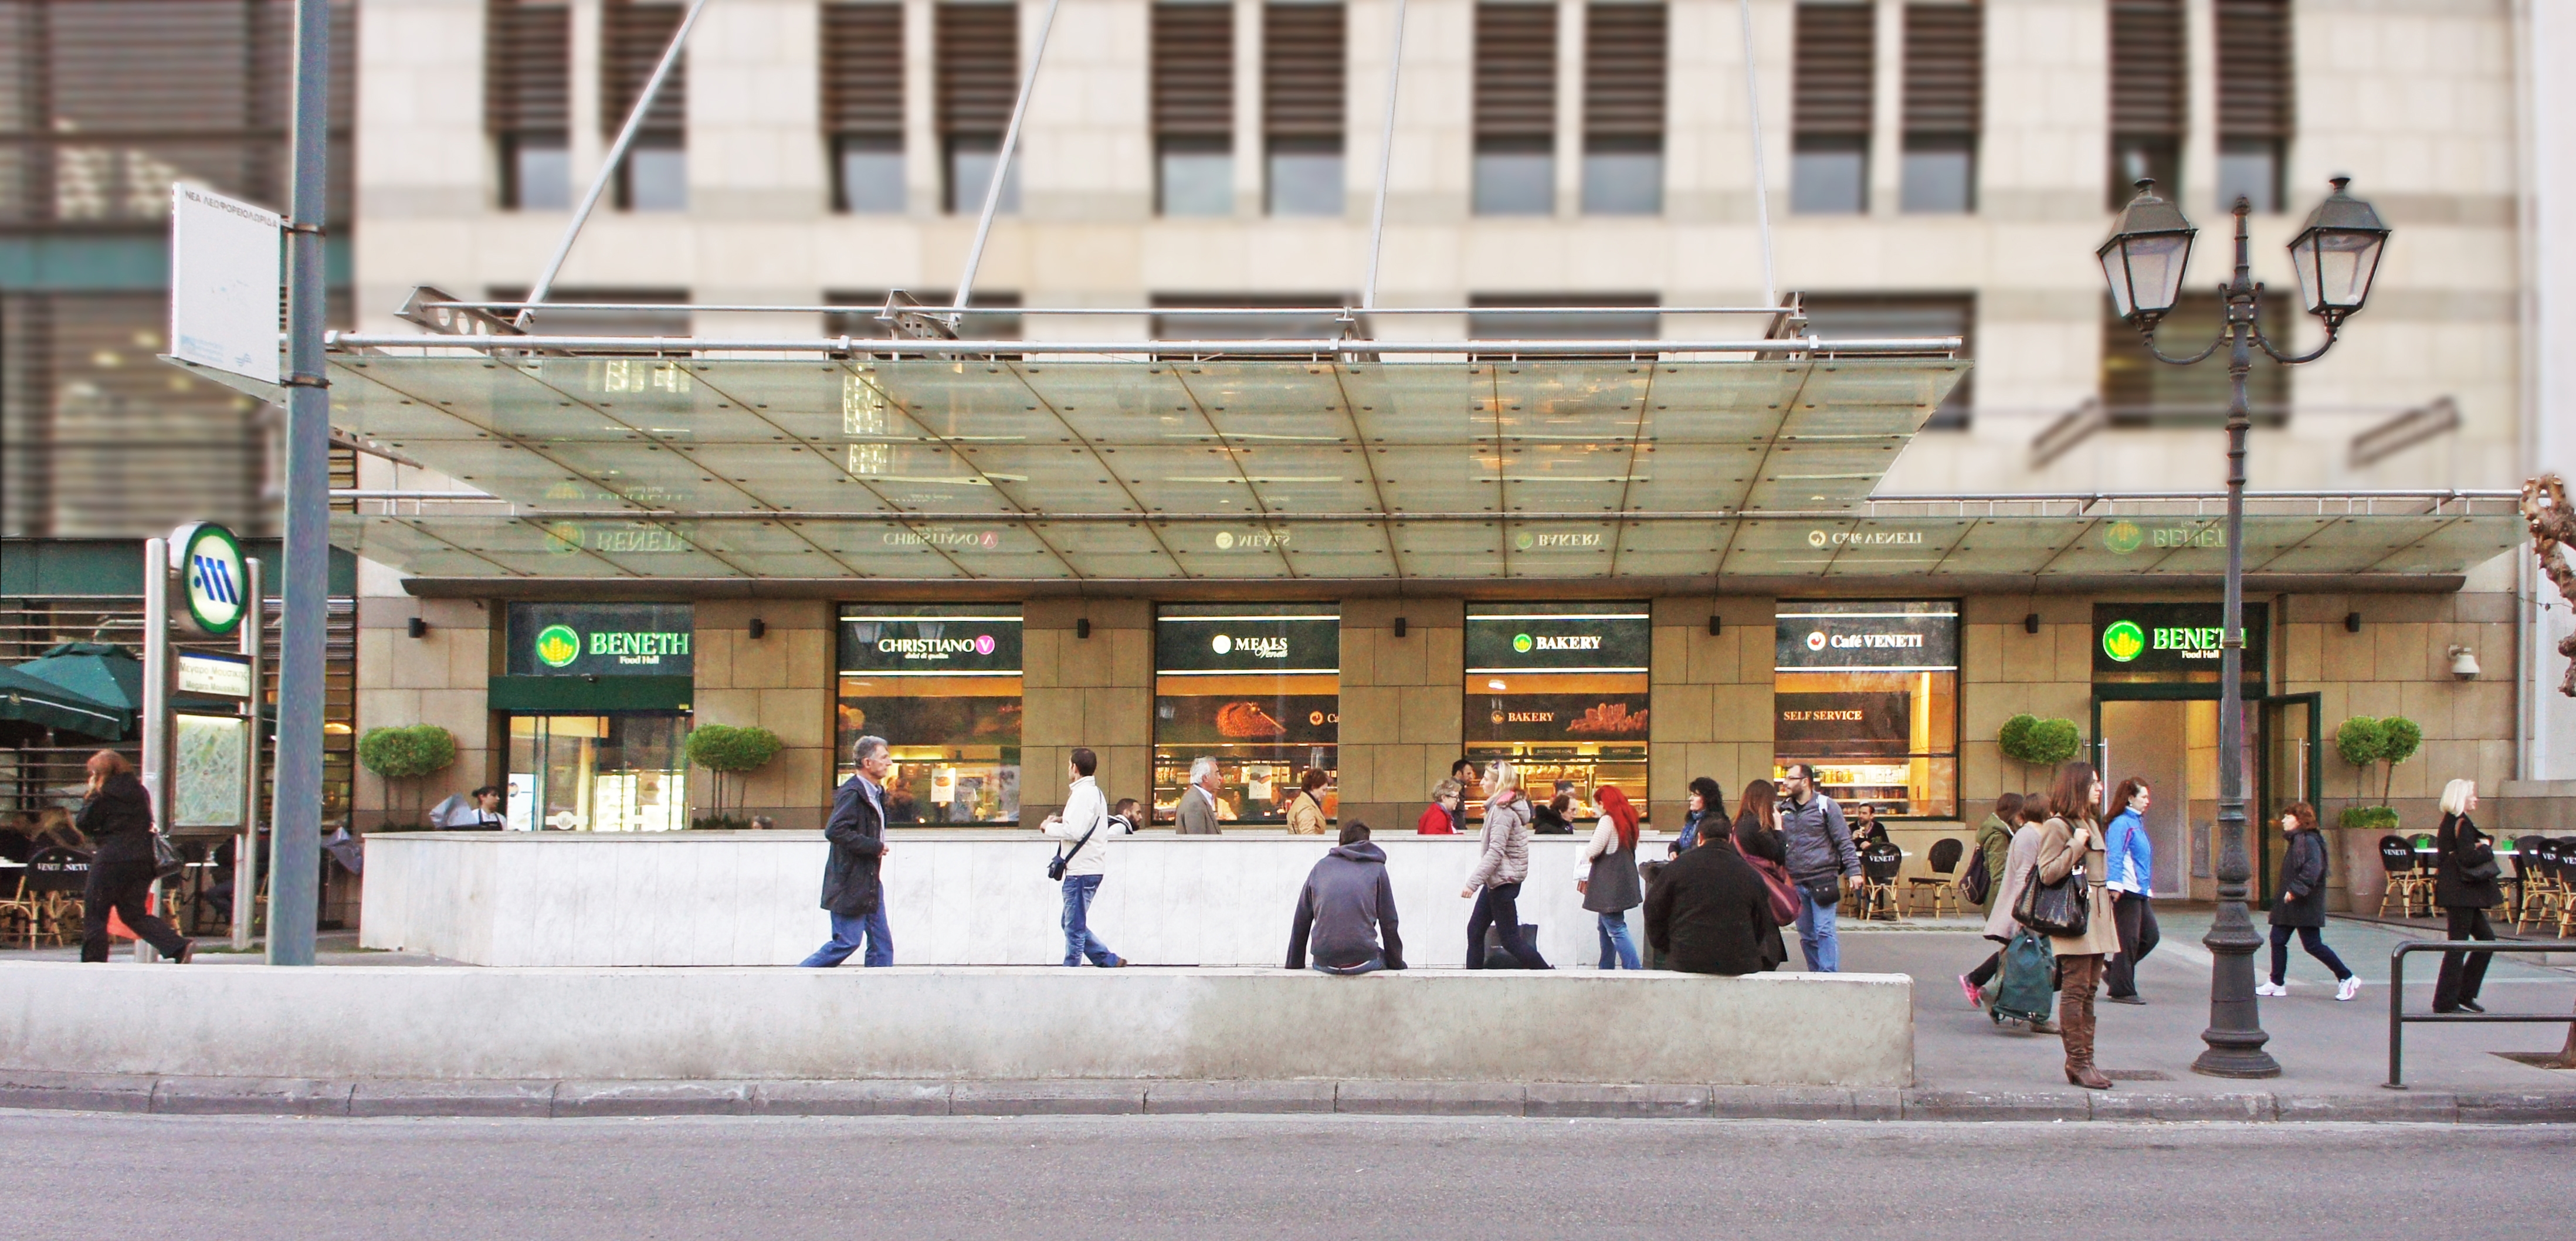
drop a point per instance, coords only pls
(1977, 884)
(2026, 989)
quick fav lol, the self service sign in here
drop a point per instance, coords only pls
(601, 639)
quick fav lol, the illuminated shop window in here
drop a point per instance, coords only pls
(1868, 692)
(1258, 689)
(1560, 690)
(942, 685)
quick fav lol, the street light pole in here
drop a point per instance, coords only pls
(2336, 256)
(2235, 1035)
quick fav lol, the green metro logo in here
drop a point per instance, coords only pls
(2124, 641)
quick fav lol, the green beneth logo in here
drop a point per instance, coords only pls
(2123, 537)
(1521, 643)
(2124, 641)
(558, 646)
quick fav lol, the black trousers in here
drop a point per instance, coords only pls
(2136, 917)
(2311, 938)
(121, 886)
(2459, 980)
(1498, 906)
(1987, 969)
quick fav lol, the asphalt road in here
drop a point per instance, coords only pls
(1111, 1179)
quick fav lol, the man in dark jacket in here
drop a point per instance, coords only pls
(851, 891)
(1347, 907)
(1709, 913)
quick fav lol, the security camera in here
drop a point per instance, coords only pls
(2464, 663)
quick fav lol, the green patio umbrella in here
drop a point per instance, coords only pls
(99, 671)
(39, 701)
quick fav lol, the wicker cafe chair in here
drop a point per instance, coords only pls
(2537, 886)
(57, 876)
(18, 906)
(1878, 866)
(1943, 883)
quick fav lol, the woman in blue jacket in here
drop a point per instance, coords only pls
(2131, 860)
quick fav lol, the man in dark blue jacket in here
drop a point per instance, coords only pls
(1346, 909)
(856, 832)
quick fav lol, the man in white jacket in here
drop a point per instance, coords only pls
(1087, 823)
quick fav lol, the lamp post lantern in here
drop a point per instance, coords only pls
(2337, 254)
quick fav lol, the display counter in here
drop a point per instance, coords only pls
(954, 897)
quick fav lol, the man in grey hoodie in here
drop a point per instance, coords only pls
(1346, 908)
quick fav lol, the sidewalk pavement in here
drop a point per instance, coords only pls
(2333, 1056)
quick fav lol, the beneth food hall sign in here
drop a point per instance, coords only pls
(601, 639)
(2171, 637)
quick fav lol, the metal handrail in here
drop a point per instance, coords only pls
(1255, 312)
(1156, 350)
(2399, 1018)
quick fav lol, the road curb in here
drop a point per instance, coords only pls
(241, 1096)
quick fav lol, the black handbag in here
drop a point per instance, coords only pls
(2063, 908)
(1055, 868)
(166, 861)
(1824, 893)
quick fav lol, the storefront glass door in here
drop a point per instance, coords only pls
(2289, 773)
(622, 772)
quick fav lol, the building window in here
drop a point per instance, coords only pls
(1862, 316)
(2257, 100)
(863, 105)
(2138, 391)
(1834, 86)
(633, 35)
(1498, 316)
(661, 312)
(1945, 62)
(1301, 101)
(1623, 109)
(1515, 171)
(1868, 693)
(979, 57)
(2150, 90)
(1193, 107)
(942, 684)
(1560, 690)
(1256, 688)
(527, 94)
(979, 324)
(1173, 320)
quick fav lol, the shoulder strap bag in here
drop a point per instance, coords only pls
(2062, 909)
(1784, 894)
(1055, 868)
(165, 857)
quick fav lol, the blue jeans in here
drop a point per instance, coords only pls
(1617, 950)
(846, 934)
(1079, 942)
(1816, 935)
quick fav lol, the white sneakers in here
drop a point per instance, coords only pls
(2270, 988)
(2348, 988)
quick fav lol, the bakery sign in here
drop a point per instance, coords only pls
(1563, 639)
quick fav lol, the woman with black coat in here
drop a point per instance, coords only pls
(2300, 907)
(118, 819)
(2464, 885)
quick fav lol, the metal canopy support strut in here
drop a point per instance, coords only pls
(616, 156)
(296, 820)
(1001, 166)
(1761, 177)
(1385, 157)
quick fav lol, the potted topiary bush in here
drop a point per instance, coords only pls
(732, 754)
(2364, 741)
(2035, 742)
(402, 757)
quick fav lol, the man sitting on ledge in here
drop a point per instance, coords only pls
(1346, 906)
(1709, 913)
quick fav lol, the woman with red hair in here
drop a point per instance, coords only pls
(1608, 877)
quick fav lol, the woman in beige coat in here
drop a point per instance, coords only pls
(1306, 809)
(2019, 861)
(2072, 837)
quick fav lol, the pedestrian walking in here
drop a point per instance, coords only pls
(1306, 809)
(1995, 846)
(1346, 912)
(1441, 819)
(2464, 884)
(1607, 877)
(1501, 864)
(1196, 815)
(2131, 858)
(117, 818)
(2072, 838)
(1817, 846)
(853, 891)
(2301, 905)
(1707, 804)
(2021, 859)
(1709, 913)
(1087, 823)
(1757, 838)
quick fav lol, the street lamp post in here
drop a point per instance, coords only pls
(2336, 256)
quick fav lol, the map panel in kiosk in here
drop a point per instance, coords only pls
(941, 683)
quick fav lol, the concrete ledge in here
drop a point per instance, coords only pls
(1552, 1100)
(592, 1028)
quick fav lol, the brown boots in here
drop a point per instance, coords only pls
(2075, 1021)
